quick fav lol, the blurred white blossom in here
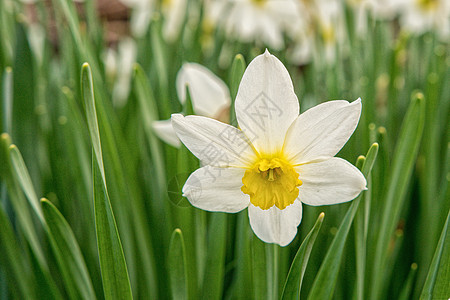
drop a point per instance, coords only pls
(209, 95)
(173, 14)
(263, 21)
(420, 16)
(119, 68)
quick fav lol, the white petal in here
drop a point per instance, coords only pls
(209, 93)
(266, 104)
(164, 130)
(216, 189)
(213, 142)
(320, 132)
(330, 182)
(140, 18)
(275, 225)
(174, 13)
(241, 21)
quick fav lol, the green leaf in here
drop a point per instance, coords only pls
(215, 260)
(159, 58)
(69, 11)
(149, 113)
(24, 179)
(325, 281)
(7, 33)
(177, 266)
(7, 93)
(360, 228)
(294, 279)
(188, 106)
(437, 283)
(87, 89)
(116, 283)
(70, 259)
(243, 281)
(237, 71)
(25, 221)
(15, 265)
(259, 265)
(406, 291)
(402, 167)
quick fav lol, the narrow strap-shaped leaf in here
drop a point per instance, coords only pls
(116, 283)
(24, 215)
(360, 229)
(7, 93)
(259, 268)
(69, 11)
(177, 266)
(294, 279)
(437, 283)
(149, 113)
(403, 162)
(243, 284)
(15, 265)
(23, 177)
(325, 280)
(406, 290)
(215, 260)
(237, 70)
(70, 259)
(87, 89)
(159, 53)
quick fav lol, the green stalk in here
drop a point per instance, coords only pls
(403, 162)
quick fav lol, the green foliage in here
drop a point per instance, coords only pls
(436, 284)
(68, 254)
(325, 279)
(177, 266)
(294, 279)
(113, 223)
(116, 283)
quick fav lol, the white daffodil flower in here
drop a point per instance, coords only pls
(330, 19)
(261, 20)
(209, 95)
(119, 68)
(173, 12)
(420, 16)
(277, 159)
(141, 14)
(303, 35)
(386, 9)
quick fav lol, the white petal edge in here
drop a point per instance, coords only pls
(275, 225)
(216, 189)
(209, 94)
(164, 130)
(328, 182)
(266, 104)
(213, 142)
(320, 132)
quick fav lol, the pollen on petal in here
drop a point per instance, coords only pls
(271, 182)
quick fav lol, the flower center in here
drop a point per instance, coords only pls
(259, 2)
(428, 5)
(271, 182)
